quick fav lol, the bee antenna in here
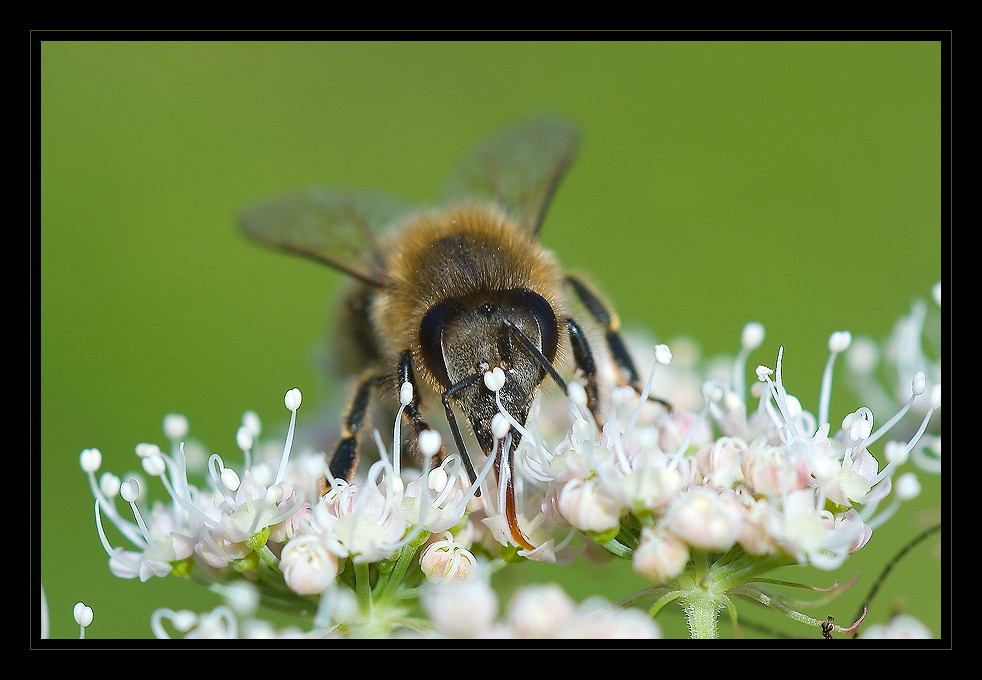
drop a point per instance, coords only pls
(537, 355)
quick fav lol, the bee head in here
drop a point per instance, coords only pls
(462, 338)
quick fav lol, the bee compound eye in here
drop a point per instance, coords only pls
(431, 334)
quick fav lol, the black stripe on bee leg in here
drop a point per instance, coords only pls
(602, 313)
(583, 358)
(345, 458)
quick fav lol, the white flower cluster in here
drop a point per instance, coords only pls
(673, 491)
(774, 482)
(223, 525)
(881, 376)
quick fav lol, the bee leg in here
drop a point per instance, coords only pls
(583, 358)
(345, 458)
(615, 343)
(455, 428)
(406, 375)
(411, 414)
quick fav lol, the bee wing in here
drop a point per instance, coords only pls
(334, 226)
(518, 168)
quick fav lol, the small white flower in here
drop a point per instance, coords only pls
(586, 506)
(900, 627)
(539, 611)
(308, 566)
(705, 519)
(462, 609)
(659, 555)
(773, 470)
(447, 560)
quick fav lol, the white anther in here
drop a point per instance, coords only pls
(292, 399)
(863, 356)
(577, 394)
(494, 379)
(406, 393)
(83, 614)
(663, 355)
(129, 490)
(437, 479)
(711, 391)
(582, 430)
(109, 484)
(244, 438)
(242, 596)
(154, 466)
(145, 450)
(273, 495)
(184, 620)
(793, 406)
(908, 486)
(936, 396)
(175, 426)
(895, 453)
(918, 384)
(839, 341)
(230, 479)
(859, 428)
(752, 335)
(90, 460)
(429, 442)
(250, 419)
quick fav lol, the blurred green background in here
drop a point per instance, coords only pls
(796, 184)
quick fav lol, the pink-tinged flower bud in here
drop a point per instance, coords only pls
(585, 506)
(705, 519)
(539, 611)
(659, 556)
(851, 525)
(462, 609)
(447, 560)
(773, 471)
(308, 566)
(719, 462)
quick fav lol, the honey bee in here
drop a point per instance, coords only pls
(444, 295)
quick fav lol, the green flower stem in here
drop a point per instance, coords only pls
(258, 543)
(704, 589)
(267, 556)
(664, 600)
(702, 608)
(700, 561)
(747, 568)
(363, 588)
(391, 580)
